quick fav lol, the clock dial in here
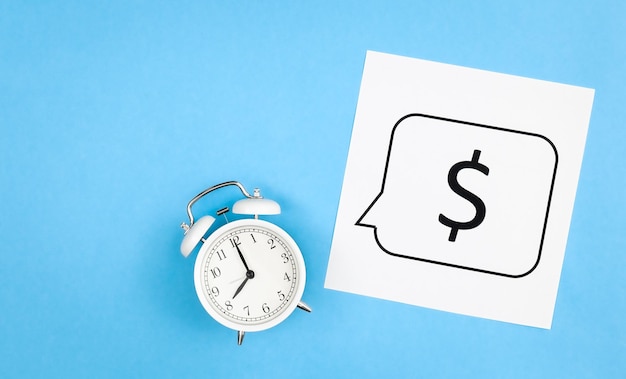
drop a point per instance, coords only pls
(249, 275)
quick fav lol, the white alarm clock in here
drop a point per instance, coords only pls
(249, 273)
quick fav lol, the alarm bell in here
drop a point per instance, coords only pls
(256, 206)
(194, 234)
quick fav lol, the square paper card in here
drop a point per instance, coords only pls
(459, 189)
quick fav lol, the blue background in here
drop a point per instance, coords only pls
(114, 114)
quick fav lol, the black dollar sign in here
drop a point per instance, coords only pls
(475, 200)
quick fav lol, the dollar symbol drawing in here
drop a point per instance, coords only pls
(475, 200)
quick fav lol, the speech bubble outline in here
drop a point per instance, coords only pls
(382, 190)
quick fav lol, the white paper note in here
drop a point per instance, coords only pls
(459, 189)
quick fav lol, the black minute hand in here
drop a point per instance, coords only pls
(242, 258)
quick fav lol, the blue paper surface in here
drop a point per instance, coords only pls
(113, 115)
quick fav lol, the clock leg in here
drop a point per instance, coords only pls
(302, 305)
(240, 335)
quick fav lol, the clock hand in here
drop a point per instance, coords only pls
(249, 275)
(236, 280)
(240, 287)
(242, 259)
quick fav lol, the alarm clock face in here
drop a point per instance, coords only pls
(249, 275)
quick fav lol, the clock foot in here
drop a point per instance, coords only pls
(240, 335)
(302, 305)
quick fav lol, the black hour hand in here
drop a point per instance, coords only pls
(249, 275)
